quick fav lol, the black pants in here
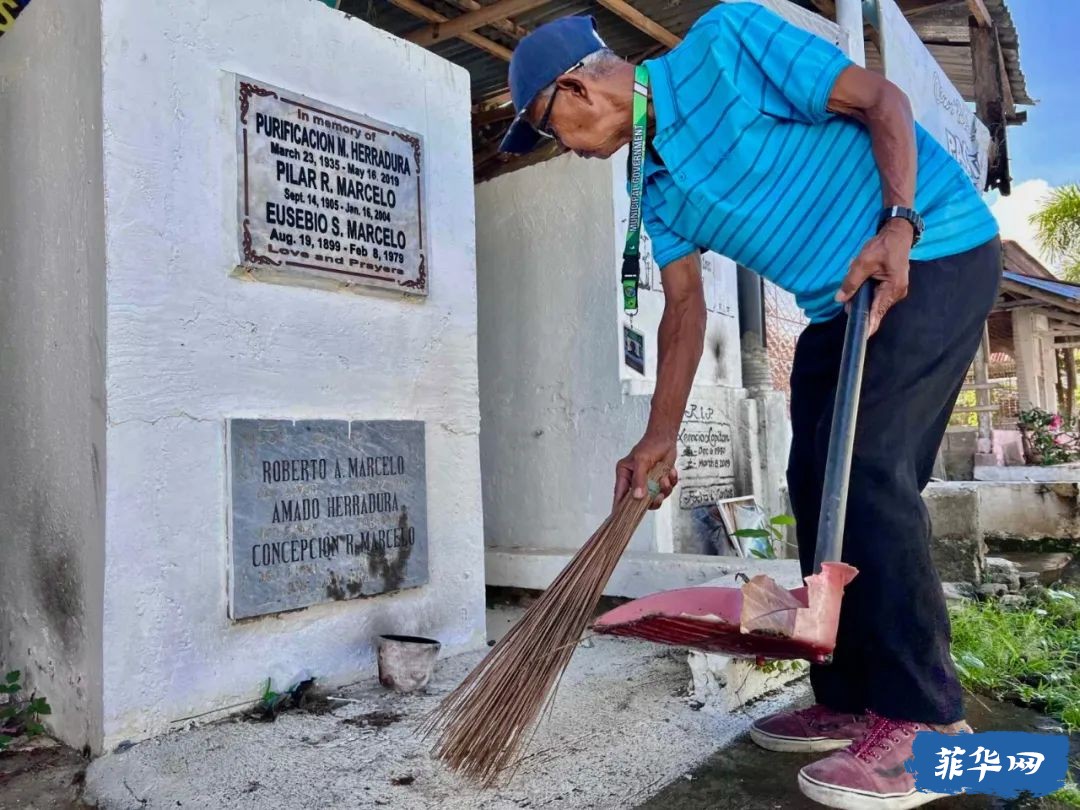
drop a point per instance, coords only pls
(892, 652)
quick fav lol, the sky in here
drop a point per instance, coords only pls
(1045, 151)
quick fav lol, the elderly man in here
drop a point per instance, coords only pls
(764, 143)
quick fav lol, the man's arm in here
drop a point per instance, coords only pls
(885, 111)
(681, 337)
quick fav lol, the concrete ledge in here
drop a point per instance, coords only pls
(636, 574)
(1056, 474)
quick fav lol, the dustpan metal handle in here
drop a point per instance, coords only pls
(834, 492)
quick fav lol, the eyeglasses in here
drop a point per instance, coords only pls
(544, 127)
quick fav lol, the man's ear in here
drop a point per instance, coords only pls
(574, 86)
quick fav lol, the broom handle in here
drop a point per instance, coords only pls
(834, 492)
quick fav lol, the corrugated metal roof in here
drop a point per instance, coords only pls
(1062, 289)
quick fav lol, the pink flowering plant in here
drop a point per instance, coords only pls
(1045, 439)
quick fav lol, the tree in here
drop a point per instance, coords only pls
(1057, 227)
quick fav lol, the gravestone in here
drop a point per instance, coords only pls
(327, 195)
(324, 510)
(705, 457)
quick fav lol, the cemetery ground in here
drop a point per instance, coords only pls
(624, 732)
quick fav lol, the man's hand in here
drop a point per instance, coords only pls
(631, 473)
(680, 338)
(885, 258)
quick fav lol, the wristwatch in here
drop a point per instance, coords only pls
(899, 212)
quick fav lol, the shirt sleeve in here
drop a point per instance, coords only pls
(667, 246)
(783, 69)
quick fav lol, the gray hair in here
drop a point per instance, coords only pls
(595, 65)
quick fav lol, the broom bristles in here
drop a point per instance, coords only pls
(483, 723)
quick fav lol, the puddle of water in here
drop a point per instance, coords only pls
(745, 777)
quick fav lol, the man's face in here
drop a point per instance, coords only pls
(579, 116)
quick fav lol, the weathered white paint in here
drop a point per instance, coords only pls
(935, 101)
(1056, 474)
(558, 406)
(52, 356)
(119, 207)
(720, 362)
(190, 346)
(554, 417)
(723, 684)
(1036, 366)
(1014, 509)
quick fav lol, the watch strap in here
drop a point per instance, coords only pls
(900, 212)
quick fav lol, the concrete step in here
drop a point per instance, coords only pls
(1048, 565)
(637, 574)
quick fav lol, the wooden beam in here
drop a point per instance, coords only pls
(916, 8)
(986, 65)
(1025, 303)
(470, 21)
(1006, 87)
(944, 34)
(1060, 317)
(496, 100)
(508, 27)
(627, 12)
(979, 12)
(424, 13)
(503, 164)
(648, 53)
(485, 117)
(827, 8)
(1062, 310)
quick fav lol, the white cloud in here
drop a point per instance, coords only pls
(1012, 214)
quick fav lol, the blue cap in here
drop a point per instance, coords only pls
(537, 61)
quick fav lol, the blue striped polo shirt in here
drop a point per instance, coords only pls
(756, 168)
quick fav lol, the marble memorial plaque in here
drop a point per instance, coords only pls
(706, 461)
(324, 510)
(327, 194)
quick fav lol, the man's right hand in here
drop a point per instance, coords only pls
(632, 472)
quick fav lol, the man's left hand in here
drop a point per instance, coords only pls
(884, 258)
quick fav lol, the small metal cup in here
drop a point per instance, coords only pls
(406, 662)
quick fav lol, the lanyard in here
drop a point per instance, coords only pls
(631, 266)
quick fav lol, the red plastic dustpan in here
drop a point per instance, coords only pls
(761, 619)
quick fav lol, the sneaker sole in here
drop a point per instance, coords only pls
(850, 799)
(796, 745)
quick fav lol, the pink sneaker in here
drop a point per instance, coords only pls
(871, 773)
(811, 730)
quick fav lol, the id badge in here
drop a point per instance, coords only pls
(634, 349)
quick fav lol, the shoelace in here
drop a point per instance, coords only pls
(880, 737)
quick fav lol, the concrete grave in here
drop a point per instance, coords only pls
(130, 344)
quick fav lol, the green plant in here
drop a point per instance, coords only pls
(1057, 227)
(773, 533)
(1068, 795)
(1030, 656)
(1044, 440)
(271, 703)
(779, 666)
(20, 717)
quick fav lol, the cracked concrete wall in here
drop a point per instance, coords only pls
(190, 346)
(52, 336)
